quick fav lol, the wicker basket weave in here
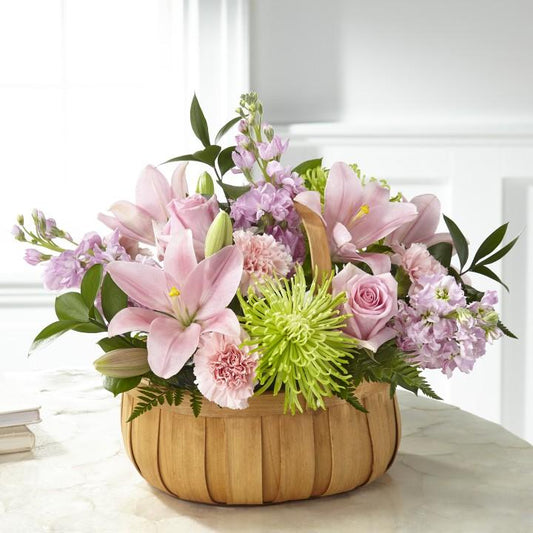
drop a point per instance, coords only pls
(260, 455)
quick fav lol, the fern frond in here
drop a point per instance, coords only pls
(389, 365)
(153, 396)
(196, 402)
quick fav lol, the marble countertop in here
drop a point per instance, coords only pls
(454, 472)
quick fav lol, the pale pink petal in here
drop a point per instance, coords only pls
(438, 237)
(180, 258)
(135, 219)
(340, 235)
(386, 334)
(310, 199)
(423, 227)
(341, 279)
(153, 193)
(380, 221)
(113, 223)
(145, 284)
(225, 322)
(374, 194)
(211, 286)
(425, 224)
(378, 263)
(342, 195)
(131, 319)
(170, 345)
(179, 181)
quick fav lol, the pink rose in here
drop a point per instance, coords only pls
(372, 302)
(195, 213)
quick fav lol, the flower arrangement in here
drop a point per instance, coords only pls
(305, 280)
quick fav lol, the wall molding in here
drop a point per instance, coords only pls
(409, 133)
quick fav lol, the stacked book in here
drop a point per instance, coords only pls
(14, 419)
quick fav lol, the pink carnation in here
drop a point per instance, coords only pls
(225, 371)
(264, 257)
(417, 261)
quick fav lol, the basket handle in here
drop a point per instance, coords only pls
(318, 240)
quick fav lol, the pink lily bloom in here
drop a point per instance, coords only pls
(184, 300)
(357, 215)
(153, 193)
(422, 229)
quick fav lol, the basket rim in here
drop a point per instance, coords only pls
(263, 405)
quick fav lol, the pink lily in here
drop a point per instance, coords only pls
(422, 229)
(184, 299)
(357, 215)
(152, 196)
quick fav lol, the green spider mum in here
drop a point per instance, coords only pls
(297, 332)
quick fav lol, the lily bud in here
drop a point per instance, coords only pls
(220, 234)
(205, 185)
(123, 363)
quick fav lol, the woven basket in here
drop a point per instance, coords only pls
(260, 455)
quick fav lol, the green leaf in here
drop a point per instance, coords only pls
(95, 315)
(71, 306)
(302, 168)
(442, 252)
(90, 327)
(225, 161)
(486, 271)
(118, 385)
(490, 243)
(113, 298)
(234, 191)
(499, 254)
(114, 343)
(224, 129)
(198, 122)
(52, 332)
(207, 156)
(90, 284)
(459, 240)
(506, 331)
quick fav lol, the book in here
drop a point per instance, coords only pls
(16, 439)
(17, 410)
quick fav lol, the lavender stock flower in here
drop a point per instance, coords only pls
(34, 257)
(440, 330)
(67, 269)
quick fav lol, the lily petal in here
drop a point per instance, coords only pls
(374, 194)
(180, 258)
(438, 237)
(341, 235)
(145, 284)
(132, 319)
(179, 181)
(342, 196)
(423, 227)
(153, 193)
(170, 345)
(210, 287)
(225, 322)
(380, 221)
(135, 219)
(310, 199)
